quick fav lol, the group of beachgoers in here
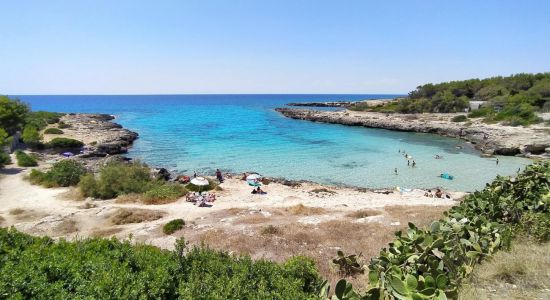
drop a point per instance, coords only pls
(437, 194)
(200, 199)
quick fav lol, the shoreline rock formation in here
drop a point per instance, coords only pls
(488, 138)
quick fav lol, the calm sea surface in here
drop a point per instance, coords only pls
(239, 133)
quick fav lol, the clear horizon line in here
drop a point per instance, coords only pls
(197, 94)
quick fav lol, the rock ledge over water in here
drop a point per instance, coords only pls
(489, 138)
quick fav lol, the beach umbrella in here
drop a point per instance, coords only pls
(67, 154)
(254, 177)
(199, 181)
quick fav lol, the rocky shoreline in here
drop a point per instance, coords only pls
(533, 141)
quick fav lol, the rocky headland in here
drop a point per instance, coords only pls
(488, 138)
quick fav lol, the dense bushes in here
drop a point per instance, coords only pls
(173, 226)
(53, 130)
(431, 262)
(64, 143)
(34, 267)
(41, 119)
(536, 225)
(25, 160)
(64, 173)
(4, 158)
(513, 100)
(117, 178)
(164, 193)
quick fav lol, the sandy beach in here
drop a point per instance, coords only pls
(308, 219)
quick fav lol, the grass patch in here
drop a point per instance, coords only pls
(303, 210)
(521, 273)
(87, 205)
(459, 118)
(66, 227)
(128, 216)
(164, 193)
(53, 130)
(63, 125)
(25, 160)
(173, 226)
(270, 230)
(363, 213)
(16, 211)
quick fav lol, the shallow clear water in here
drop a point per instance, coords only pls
(240, 133)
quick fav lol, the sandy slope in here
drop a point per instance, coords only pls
(42, 211)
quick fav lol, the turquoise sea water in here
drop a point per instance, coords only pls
(239, 133)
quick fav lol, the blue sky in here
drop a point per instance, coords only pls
(233, 46)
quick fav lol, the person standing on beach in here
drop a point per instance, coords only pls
(414, 163)
(497, 161)
(219, 175)
(395, 170)
(408, 162)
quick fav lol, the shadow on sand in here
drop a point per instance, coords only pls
(10, 171)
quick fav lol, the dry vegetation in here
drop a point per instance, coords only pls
(127, 216)
(104, 232)
(276, 234)
(521, 273)
(73, 194)
(87, 205)
(66, 227)
(129, 198)
(363, 213)
(303, 210)
(16, 211)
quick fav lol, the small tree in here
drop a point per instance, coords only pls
(31, 137)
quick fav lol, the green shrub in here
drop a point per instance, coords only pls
(12, 114)
(63, 125)
(41, 119)
(164, 193)
(64, 143)
(173, 226)
(117, 178)
(459, 118)
(64, 173)
(482, 112)
(4, 159)
(536, 225)
(53, 130)
(31, 137)
(25, 160)
(34, 267)
(303, 268)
